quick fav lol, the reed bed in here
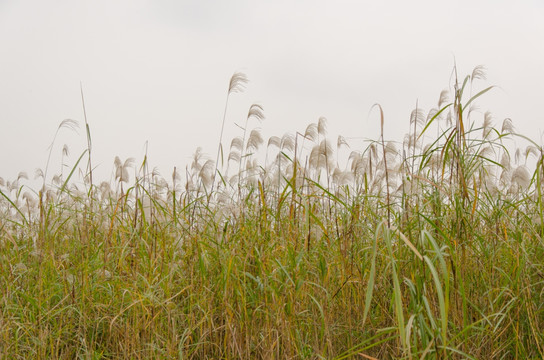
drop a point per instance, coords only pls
(426, 248)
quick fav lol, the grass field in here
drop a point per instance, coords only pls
(430, 247)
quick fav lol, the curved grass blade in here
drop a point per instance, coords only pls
(14, 206)
(72, 171)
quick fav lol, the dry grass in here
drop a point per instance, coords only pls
(429, 248)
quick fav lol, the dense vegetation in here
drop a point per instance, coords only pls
(430, 247)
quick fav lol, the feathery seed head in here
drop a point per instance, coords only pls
(521, 177)
(417, 116)
(322, 156)
(280, 159)
(291, 169)
(121, 171)
(444, 98)
(234, 156)
(255, 140)
(197, 156)
(505, 177)
(342, 178)
(14, 185)
(432, 113)
(129, 162)
(373, 150)
(478, 73)
(486, 152)
(122, 175)
(353, 158)
(391, 152)
(532, 150)
(161, 184)
(491, 186)
(314, 157)
(237, 144)
(237, 82)
(435, 162)
(322, 126)
(56, 180)
(488, 118)
(341, 142)
(517, 156)
(505, 160)
(391, 148)
(325, 148)
(28, 197)
(38, 174)
(50, 196)
(234, 180)
(288, 142)
(206, 173)
(252, 165)
(190, 186)
(311, 132)
(359, 164)
(507, 126)
(105, 190)
(472, 108)
(275, 141)
(70, 124)
(256, 111)
(410, 141)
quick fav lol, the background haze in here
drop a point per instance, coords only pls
(157, 72)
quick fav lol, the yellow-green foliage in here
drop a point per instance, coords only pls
(429, 248)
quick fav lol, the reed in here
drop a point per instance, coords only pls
(429, 248)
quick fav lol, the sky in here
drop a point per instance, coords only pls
(155, 74)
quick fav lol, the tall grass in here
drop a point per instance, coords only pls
(427, 248)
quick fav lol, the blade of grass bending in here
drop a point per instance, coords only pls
(443, 267)
(475, 97)
(397, 295)
(409, 326)
(407, 242)
(436, 227)
(465, 82)
(445, 273)
(429, 313)
(14, 206)
(72, 171)
(441, 300)
(371, 278)
(432, 119)
(525, 138)
(331, 195)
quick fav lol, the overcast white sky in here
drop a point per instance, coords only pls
(158, 71)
